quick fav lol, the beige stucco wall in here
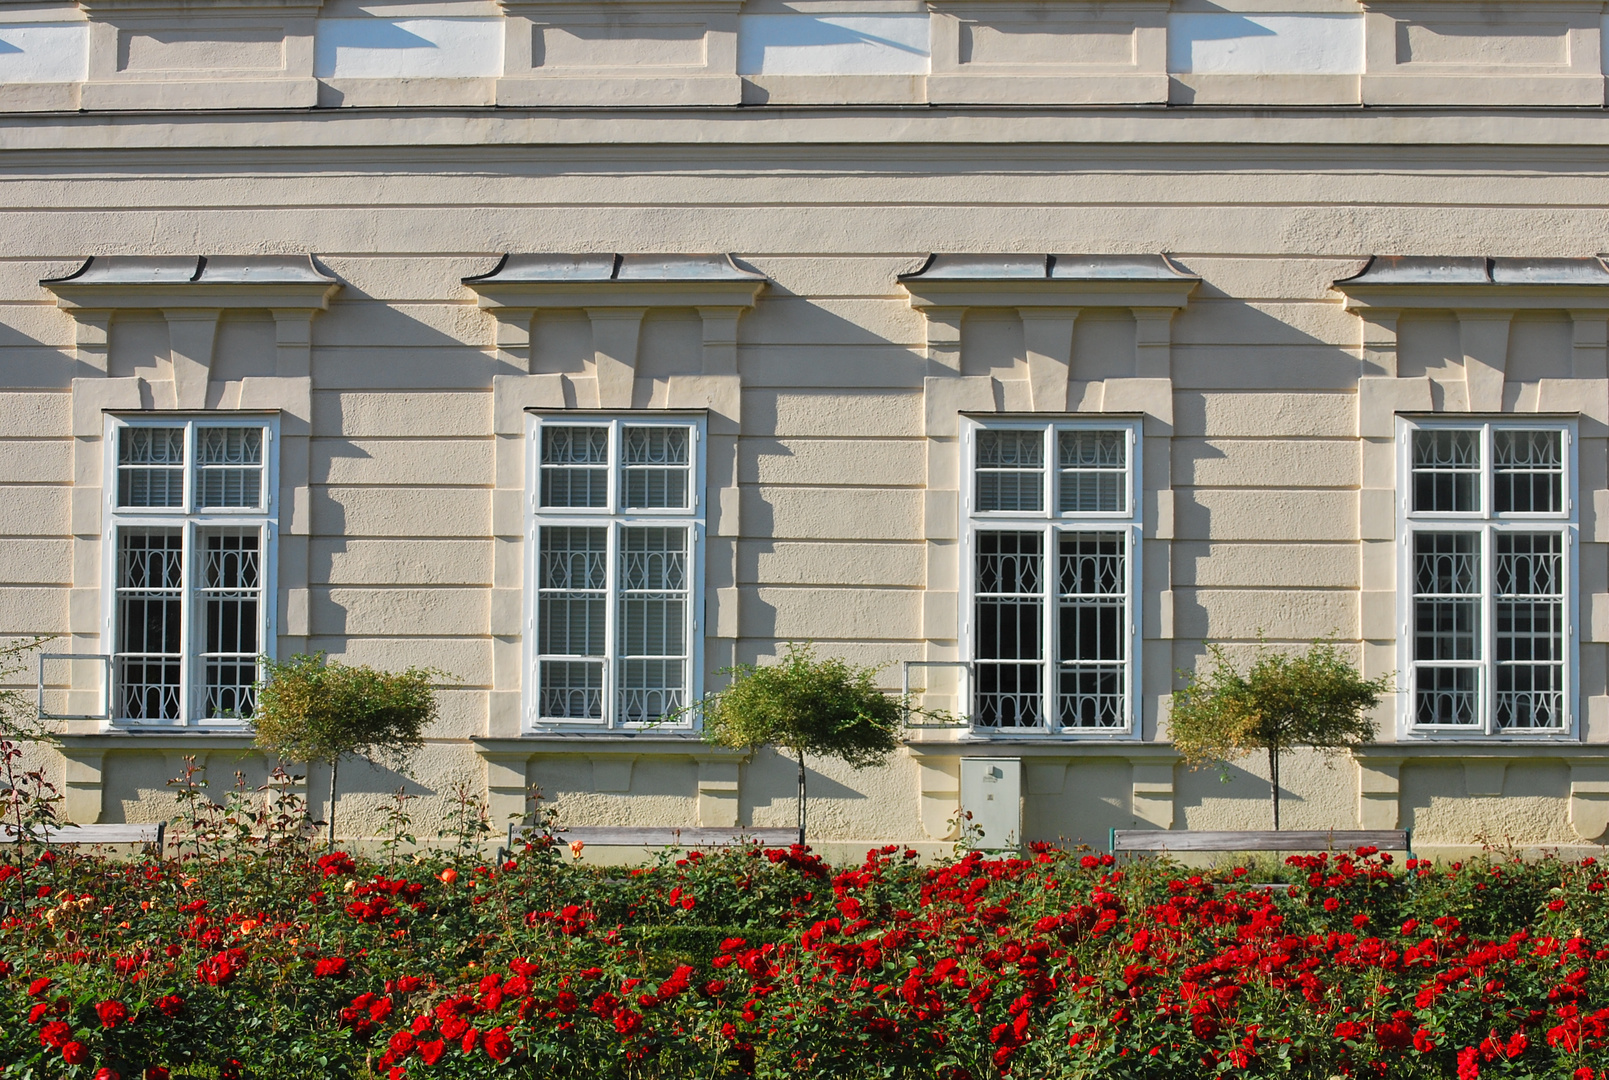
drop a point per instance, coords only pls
(1257, 518)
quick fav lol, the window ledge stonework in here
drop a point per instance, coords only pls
(190, 294)
(1482, 296)
(1485, 766)
(1048, 295)
(615, 292)
(86, 756)
(509, 761)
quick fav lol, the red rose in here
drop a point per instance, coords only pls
(38, 1012)
(498, 1045)
(55, 1033)
(402, 1043)
(218, 970)
(170, 1005)
(5, 969)
(37, 987)
(156, 1072)
(112, 1013)
(107, 1074)
(431, 1051)
(75, 1053)
(333, 967)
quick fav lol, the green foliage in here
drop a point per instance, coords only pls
(267, 962)
(1316, 699)
(309, 709)
(826, 708)
(19, 712)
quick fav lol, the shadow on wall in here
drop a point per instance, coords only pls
(1233, 797)
(128, 798)
(769, 785)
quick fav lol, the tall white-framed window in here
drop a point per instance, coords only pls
(188, 565)
(1487, 536)
(1051, 545)
(615, 566)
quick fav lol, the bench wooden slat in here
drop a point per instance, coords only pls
(630, 836)
(1284, 840)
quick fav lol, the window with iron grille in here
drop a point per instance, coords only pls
(1487, 539)
(617, 523)
(189, 549)
(1052, 538)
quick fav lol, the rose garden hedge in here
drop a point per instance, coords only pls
(262, 959)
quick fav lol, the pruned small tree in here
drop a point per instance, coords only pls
(309, 709)
(1315, 699)
(824, 708)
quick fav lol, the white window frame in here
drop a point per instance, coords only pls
(1486, 524)
(1050, 522)
(191, 522)
(616, 519)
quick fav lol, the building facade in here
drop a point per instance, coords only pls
(1023, 347)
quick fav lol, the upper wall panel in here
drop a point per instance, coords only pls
(222, 54)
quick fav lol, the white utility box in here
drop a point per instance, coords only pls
(991, 791)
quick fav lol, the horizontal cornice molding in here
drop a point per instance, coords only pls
(284, 283)
(1016, 280)
(612, 280)
(1465, 283)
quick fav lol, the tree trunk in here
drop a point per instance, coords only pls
(1273, 781)
(335, 764)
(801, 799)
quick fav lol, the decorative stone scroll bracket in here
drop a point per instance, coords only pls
(938, 758)
(1484, 294)
(1485, 767)
(508, 766)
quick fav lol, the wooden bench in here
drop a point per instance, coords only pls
(1171, 841)
(148, 835)
(632, 836)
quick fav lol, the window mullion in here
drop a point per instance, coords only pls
(1131, 640)
(187, 618)
(188, 485)
(616, 467)
(611, 625)
(1050, 649)
(1129, 471)
(1052, 479)
(1488, 667)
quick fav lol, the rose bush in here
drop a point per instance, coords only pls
(769, 962)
